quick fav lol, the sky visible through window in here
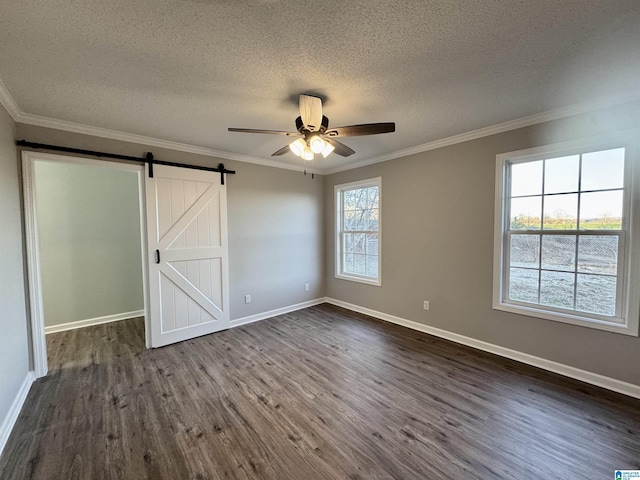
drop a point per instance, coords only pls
(360, 223)
(568, 200)
(582, 189)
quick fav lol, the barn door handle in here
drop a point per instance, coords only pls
(157, 256)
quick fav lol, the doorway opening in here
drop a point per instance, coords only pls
(86, 249)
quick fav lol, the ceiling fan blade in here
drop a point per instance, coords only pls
(271, 132)
(311, 112)
(358, 130)
(340, 148)
(282, 151)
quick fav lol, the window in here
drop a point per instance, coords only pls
(358, 231)
(563, 236)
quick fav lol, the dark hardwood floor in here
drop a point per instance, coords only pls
(321, 393)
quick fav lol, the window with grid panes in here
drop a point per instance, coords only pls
(358, 231)
(564, 240)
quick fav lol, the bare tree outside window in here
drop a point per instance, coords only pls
(358, 242)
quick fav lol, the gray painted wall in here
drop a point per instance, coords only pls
(437, 239)
(275, 223)
(89, 239)
(14, 349)
(275, 238)
(437, 245)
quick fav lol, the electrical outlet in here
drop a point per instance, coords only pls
(425, 304)
(247, 299)
(306, 287)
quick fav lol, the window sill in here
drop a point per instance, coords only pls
(353, 278)
(609, 326)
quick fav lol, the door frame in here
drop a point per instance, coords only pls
(34, 283)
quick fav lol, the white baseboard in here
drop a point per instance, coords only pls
(572, 372)
(14, 411)
(278, 311)
(93, 321)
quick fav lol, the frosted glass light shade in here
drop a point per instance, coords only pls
(328, 148)
(316, 144)
(298, 147)
(307, 154)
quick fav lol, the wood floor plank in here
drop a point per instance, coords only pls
(321, 393)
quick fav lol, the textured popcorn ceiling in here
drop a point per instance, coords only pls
(186, 70)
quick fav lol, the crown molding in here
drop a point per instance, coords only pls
(30, 119)
(48, 122)
(527, 121)
(8, 102)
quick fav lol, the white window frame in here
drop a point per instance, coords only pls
(339, 242)
(628, 294)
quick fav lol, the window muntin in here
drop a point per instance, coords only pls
(358, 231)
(563, 235)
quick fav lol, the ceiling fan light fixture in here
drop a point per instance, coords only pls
(298, 147)
(313, 134)
(316, 144)
(307, 154)
(328, 148)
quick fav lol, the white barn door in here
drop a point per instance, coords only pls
(188, 254)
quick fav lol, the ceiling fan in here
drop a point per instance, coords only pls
(313, 134)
